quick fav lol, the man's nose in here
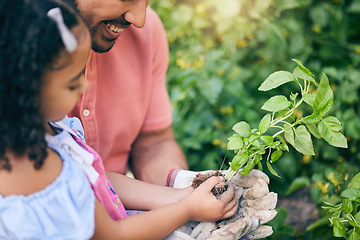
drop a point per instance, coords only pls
(137, 13)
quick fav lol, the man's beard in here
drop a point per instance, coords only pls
(100, 48)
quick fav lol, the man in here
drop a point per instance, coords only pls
(126, 110)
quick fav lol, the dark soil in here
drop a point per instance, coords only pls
(301, 209)
(202, 177)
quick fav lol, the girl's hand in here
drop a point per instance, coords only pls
(202, 205)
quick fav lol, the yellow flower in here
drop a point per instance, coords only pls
(181, 63)
(209, 44)
(242, 43)
(323, 188)
(197, 64)
(307, 159)
(316, 28)
(200, 9)
(220, 72)
(226, 110)
(357, 49)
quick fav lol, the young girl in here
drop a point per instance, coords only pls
(52, 185)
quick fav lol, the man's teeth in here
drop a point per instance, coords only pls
(113, 28)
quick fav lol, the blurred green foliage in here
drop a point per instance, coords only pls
(220, 53)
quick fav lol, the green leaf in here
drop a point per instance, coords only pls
(276, 79)
(313, 130)
(265, 123)
(242, 128)
(302, 67)
(313, 118)
(300, 73)
(347, 205)
(303, 142)
(309, 99)
(353, 194)
(334, 138)
(283, 145)
(289, 134)
(355, 181)
(271, 169)
(268, 140)
(324, 93)
(234, 142)
(339, 229)
(276, 103)
(355, 234)
(240, 159)
(276, 155)
(249, 166)
(350, 220)
(333, 123)
(357, 217)
(257, 159)
(298, 183)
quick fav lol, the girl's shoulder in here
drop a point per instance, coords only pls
(63, 209)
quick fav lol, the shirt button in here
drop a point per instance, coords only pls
(86, 112)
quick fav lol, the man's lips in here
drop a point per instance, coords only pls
(112, 31)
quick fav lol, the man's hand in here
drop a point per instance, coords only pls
(256, 207)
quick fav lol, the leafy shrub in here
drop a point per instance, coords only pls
(220, 53)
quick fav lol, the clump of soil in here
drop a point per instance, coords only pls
(202, 177)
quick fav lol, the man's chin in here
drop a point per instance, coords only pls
(101, 48)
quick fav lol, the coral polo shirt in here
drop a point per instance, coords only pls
(127, 92)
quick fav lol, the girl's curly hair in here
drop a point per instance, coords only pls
(29, 43)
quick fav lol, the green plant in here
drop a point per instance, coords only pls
(251, 144)
(345, 216)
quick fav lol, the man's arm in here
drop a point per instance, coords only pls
(154, 154)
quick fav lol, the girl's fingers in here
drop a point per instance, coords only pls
(228, 195)
(211, 182)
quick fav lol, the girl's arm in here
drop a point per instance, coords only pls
(135, 194)
(200, 205)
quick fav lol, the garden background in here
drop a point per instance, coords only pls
(220, 53)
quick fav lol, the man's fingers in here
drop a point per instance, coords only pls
(262, 231)
(259, 189)
(263, 216)
(266, 202)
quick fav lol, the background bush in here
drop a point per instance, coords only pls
(220, 53)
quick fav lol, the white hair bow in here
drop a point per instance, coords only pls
(67, 37)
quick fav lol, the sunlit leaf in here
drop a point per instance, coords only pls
(276, 79)
(289, 134)
(268, 164)
(265, 123)
(303, 74)
(303, 142)
(353, 194)
(324, 93)
(339, 229)
(276, 155)
(313, 130)
(355, 182)
(276, 103)
(242, 128)
(334, 138)
(309, 99)
(302, 67)
(234, 142)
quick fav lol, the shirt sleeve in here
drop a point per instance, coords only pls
(159, 114)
